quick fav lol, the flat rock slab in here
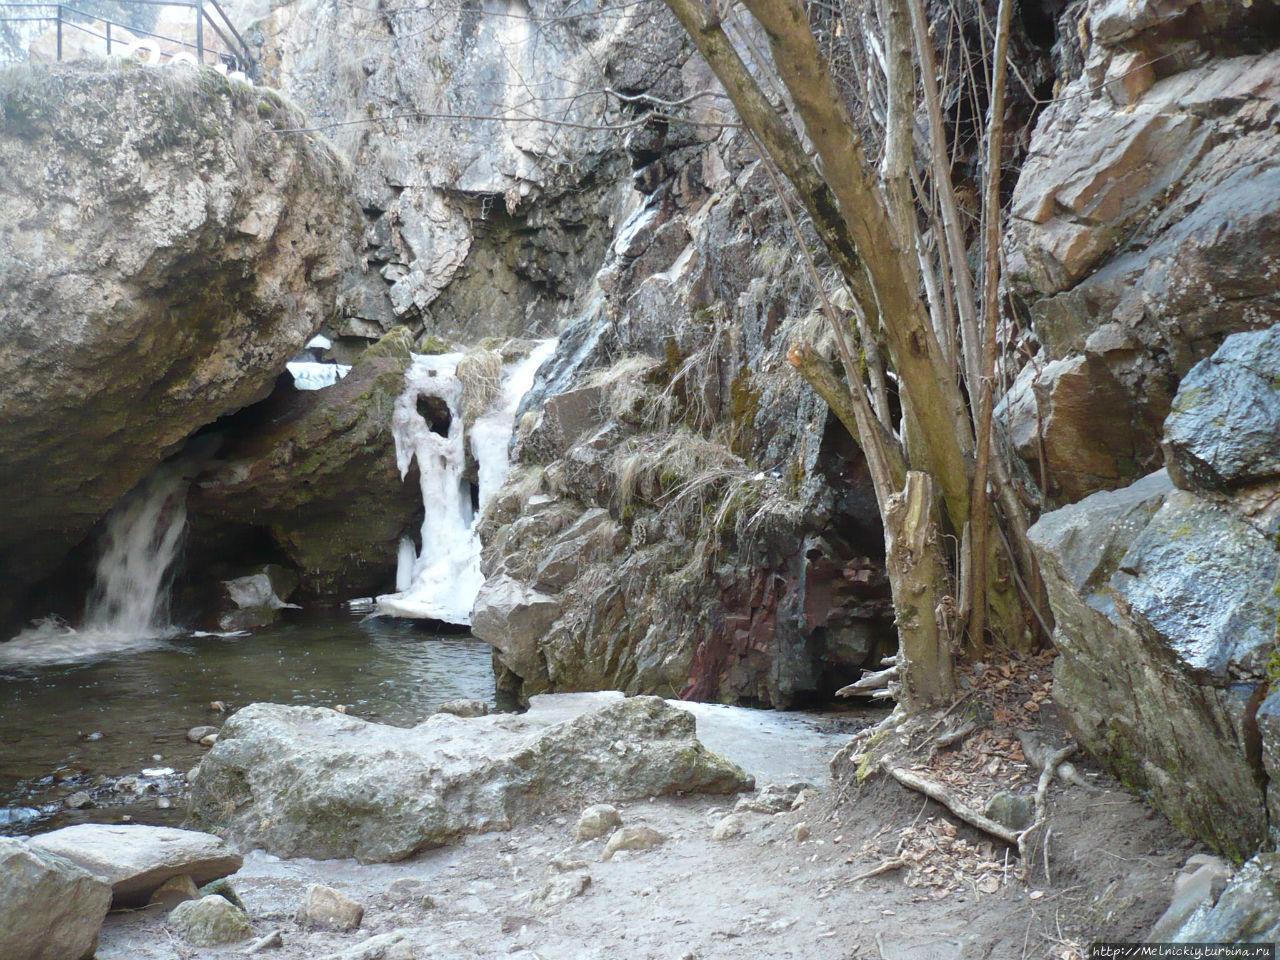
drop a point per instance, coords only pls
(136, 860)
(311, 782)
(50, 909)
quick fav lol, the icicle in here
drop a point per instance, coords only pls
(427, 426)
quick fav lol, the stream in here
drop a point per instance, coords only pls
(80, 727)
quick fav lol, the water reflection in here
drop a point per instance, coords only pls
(63, 726)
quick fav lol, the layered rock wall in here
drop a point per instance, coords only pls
(1144, 229)
(682, 520)
(1143, 247)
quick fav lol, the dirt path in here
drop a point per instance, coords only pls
(782, 888)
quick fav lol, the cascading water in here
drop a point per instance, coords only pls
(142, 539)
(442, 582)
(128, 607)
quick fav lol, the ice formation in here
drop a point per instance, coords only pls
(313, 375)
(442, 581)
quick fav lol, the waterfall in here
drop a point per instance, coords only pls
(142, 538)
(128, 606)
(442, 581)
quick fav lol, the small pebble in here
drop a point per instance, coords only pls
(79, 800)
(195, 734)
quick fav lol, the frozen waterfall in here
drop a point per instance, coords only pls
(442, 581)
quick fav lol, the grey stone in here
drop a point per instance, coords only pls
(306, 781)
(174, 891)
(567, 861)
(632, 838)
(465, 708)
(1163, 618)
(1221, 429)
(1201, 880)
(223, 888)
(210, 921)
(330, 909)
(137, 859)
(1268, 720)
(1014, 810)
(560, 890)
(50, 909)
(167, 300)
(1199, 581)
(514, 618)
(196, 734)
(729, 827)
(405, 889)
(595, 821)
(1248, 911)
(383, 946)
(773, 798)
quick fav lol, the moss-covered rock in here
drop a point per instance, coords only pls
(316, 472)
(1165, 621)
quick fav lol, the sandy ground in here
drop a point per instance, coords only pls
(763, 894)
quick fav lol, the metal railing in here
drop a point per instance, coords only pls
(234, 52)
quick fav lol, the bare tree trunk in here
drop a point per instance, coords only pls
(983, 546)
(918, 575)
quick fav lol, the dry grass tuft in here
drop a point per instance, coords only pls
(480, 373)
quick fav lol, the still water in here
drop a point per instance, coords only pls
(66, 728)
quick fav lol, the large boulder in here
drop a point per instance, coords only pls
(1165, 621)
(306, 781)
(136, 859)
(50, 909)
(315, 473)
(1145, 228)
(166, 245)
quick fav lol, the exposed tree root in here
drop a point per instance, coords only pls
(936, 791)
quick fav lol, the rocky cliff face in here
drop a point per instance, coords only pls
(489, 192)
(1145, 238)
(313, 474)
(673, 525)
(1145, 228)
(166, 248)
(670, 526)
